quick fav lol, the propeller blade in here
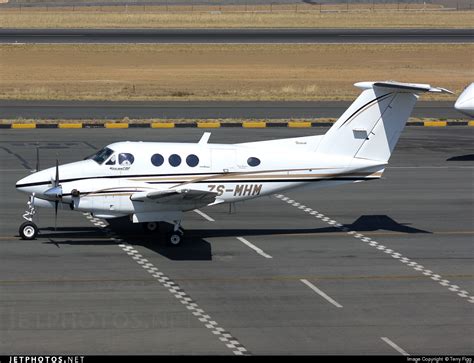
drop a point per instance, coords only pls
(59, 194)
(56, 182)
(56, 203)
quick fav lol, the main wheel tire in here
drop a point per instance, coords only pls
(151, 227)
(28, 231)
(175, 238)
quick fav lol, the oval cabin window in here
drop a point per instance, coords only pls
(157, 159)
(174, 160)
(252, 161)
(192, 160)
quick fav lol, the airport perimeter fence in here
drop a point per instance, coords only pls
(216, 6)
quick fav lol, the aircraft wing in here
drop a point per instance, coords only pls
(173, 196)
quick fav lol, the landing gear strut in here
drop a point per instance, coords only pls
(28, 230)
(176, 237)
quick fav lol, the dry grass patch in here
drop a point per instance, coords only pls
(223, 72)
(38, 18)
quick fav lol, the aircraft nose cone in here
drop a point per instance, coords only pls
(34, 183)
(23, 184)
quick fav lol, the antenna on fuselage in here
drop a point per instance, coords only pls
(204, 138)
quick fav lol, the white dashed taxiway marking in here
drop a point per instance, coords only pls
(321, 293)
(394, 346)
(204, 215)
(253, 247)
(396, 255)
(225, 337)
(241, 239)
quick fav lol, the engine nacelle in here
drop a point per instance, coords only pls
(43, 203)
(108, 216)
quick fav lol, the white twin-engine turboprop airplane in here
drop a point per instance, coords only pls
(152, 182)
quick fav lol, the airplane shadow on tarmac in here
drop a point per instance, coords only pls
(467, 157)
(195, 246)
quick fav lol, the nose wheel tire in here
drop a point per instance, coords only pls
(28, 231)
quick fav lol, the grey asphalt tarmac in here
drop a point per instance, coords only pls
(75, 291)
(13, 109)
(236, 35)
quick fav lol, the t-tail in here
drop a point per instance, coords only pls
(370, 128)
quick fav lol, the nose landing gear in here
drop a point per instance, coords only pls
(28, 230)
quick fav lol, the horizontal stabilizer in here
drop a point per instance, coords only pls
(409, 87)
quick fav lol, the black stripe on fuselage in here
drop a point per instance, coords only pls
(239, 181)
(213, 181)
(213, 175)
(115, 177)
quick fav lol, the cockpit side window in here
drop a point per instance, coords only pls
(102, 155)
(112, 160)
(125, 159)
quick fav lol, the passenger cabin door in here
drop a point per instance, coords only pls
(204, 155)
(223, 160)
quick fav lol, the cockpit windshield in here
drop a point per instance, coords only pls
(102, 155)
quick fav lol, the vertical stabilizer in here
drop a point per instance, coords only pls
(371, 126)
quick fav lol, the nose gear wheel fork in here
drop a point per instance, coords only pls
(28, 230)
(31, 210)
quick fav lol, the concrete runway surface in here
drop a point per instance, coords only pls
(382, 267)
(227, 36)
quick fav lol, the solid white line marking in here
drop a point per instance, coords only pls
(394, 346)
(321, 293)
(253, 247)
(204, 215)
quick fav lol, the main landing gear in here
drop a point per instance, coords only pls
(176, 237)
(173, 238)
(151, 227)
(28, 230)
